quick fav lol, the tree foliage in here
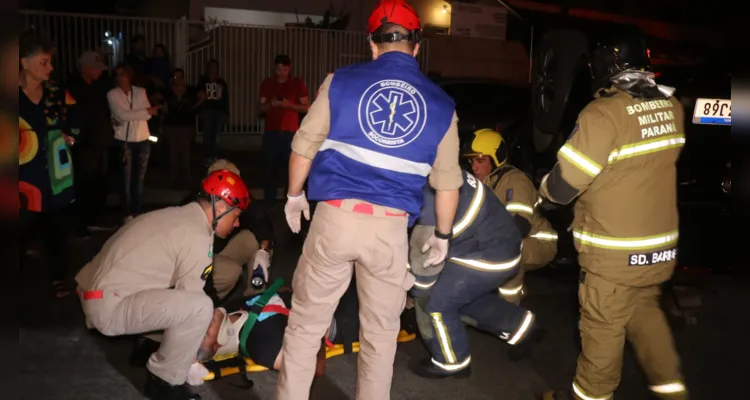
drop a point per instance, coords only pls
(332, 20)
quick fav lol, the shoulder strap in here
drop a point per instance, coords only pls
(255, 311)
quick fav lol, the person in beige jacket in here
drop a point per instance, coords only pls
(151, 276)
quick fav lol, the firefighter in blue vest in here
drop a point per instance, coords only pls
(485, 252)
(371, 139)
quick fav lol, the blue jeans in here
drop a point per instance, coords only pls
(277, 147)
(462, 291)
(134, 164)
(211, 120)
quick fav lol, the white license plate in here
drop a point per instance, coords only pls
(712, 112)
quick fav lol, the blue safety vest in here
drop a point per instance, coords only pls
(387, 120)
(483, 229)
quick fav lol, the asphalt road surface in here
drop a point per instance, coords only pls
(61, 360)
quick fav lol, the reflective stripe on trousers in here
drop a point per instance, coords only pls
(461, 293)
(635, 243)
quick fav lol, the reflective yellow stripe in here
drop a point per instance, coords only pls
(579, 392)
(453, 367)
(443, 337)
(581, 162)
(519, 207)
(511, 291)
(545, 235)
(486, 265)
(521, 332)
(471, 213)
(424, 285)
(639, 243)
(668, 388)
(647, 147)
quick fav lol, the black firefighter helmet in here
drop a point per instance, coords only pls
(624, 49)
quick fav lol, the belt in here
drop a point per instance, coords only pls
(365, 208)
(90, 294)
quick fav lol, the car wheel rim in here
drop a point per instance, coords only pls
(545, 82)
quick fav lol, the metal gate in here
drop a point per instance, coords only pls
(245, 53)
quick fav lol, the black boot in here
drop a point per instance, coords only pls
(426, 369)
(142, 350)
(158, 389)
(522, 349)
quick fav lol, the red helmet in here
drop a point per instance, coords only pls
(397, 12)
(227, 186)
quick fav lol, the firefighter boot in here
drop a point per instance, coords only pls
(158, 389)
(522, 349)
(426, 369)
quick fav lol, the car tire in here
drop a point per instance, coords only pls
(554, 71)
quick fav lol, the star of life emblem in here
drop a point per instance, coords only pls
(392, 113)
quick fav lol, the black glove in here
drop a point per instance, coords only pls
(545, 205)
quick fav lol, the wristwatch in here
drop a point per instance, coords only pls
(444, 236)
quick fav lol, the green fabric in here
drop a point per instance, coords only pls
(253, 316)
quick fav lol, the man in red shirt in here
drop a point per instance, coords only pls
(282, 98)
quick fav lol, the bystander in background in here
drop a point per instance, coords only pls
(131, 110)
(214, 101)
(179, 128)
(282, 98)
(91, 153)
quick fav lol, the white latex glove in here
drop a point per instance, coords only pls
(262, 259)
(294, 206)
(438, 250)
(196, 373)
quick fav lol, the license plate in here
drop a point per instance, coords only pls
(712, 112)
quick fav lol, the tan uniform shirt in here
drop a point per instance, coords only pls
(162, 249)
(445, 174)
(516, 190)
(621, 161)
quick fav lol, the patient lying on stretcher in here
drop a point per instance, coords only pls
(264, 340)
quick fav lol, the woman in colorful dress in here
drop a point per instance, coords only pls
(47, 126)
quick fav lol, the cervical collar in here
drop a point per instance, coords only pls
(229, 333)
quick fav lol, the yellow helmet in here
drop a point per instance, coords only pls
(488, 142)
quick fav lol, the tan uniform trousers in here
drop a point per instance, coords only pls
(184, 316)
(611, 313)
(377, 247)
(228, 264)
(536, 254)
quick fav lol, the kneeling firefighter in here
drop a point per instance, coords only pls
(488, 154)
(484, 252)
(620, 163)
